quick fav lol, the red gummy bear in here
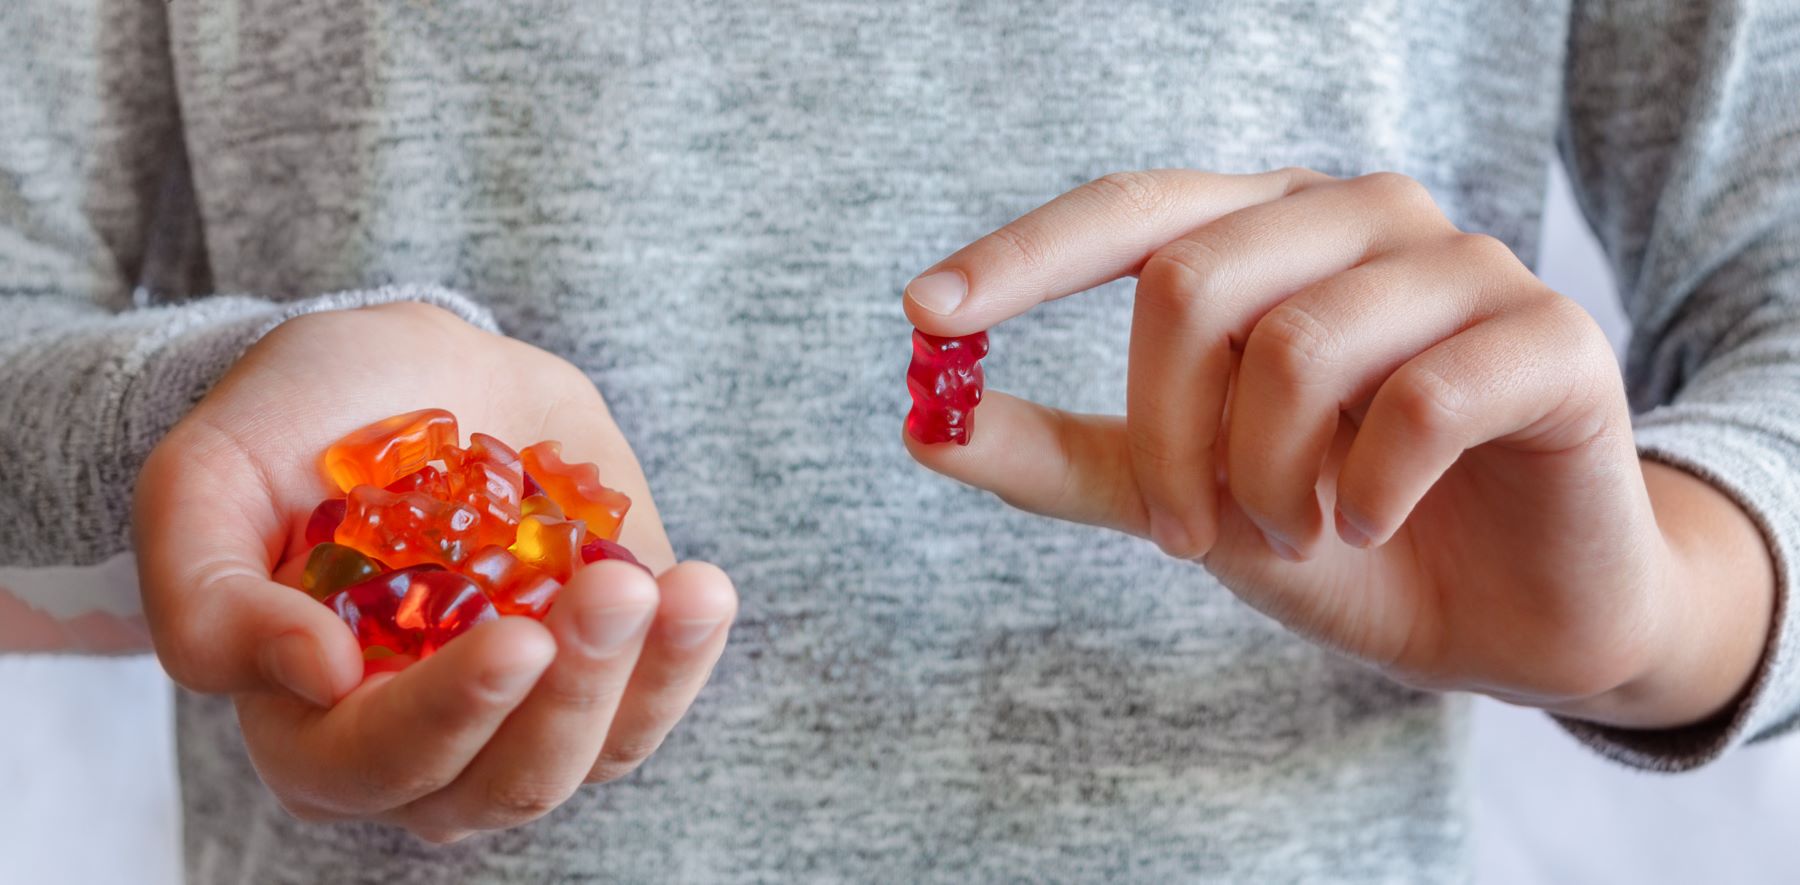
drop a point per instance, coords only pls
(407, 529)
(945, 381)
(597, 548)
(440, 606)
(413, 611)
(323, 523)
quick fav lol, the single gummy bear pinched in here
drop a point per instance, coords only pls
(945, 381)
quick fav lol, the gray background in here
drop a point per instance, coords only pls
(87, 794)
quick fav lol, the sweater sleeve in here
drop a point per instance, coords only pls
(92, 372)
(1682, 136)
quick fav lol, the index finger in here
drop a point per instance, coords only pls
(1094, 234)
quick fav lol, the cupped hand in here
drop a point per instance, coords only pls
(1379, 429)
(506, 722)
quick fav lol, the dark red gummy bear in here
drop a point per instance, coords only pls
(413, 611)
(369, 608)
(597, 548)
(945, 381)
(324, 521)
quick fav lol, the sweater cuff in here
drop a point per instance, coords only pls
(1756, 470)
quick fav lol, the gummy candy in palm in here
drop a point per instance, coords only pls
(483, 449)
(514, 587)
(538, 505)
(945, 381)
(441, 605)
(552, 546)
(407, 529)
(596, 549)
(487, 477)
(323, 523)
(492, 491)
(576, 488)
(387, 450)
(370, 608)
(413, 611)
(332, 567)
(427, 479)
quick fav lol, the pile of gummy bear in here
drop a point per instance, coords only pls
(432, 538)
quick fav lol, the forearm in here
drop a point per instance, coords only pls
(1718, 583)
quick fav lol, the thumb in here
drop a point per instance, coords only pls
(207, 536)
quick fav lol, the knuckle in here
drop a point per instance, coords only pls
(1180, 274)
(1138, 193)
(1483, 251)
(1291, 343)
(573, 695)
(175, 651)
(523, 800)
(392, 783)
(1427, 401)
(1026, 247)
(1299, 177)
(618, 759)
(1396, 191)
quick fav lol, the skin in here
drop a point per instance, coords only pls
(501, 726)
(1382, 431)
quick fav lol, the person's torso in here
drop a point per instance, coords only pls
(712, 207)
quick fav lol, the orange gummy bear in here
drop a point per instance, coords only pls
(576, 488)
(487, 477)
(406, 529)
(387, 450)
(552, 546)
(514, 587)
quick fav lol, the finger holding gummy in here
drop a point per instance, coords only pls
(432, 539)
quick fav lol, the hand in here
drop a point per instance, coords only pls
(1382, 431)
(506, 722)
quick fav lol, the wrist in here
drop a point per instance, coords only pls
(1712, 590)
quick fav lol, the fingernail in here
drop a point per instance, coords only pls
(939, 292)
(289, 662)
(687, 634)
(606, 631)
(1281, 547)
(1351, 534)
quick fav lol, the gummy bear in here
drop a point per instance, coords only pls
(487, 477)
(427, 479)
(945, 381)
(576, 488)
(407, 529)
(387, 450)
(440, 606)
(598, 548)
(482, 449)
(332, 567)
(369, 608)
(514, 587)
(550, 545)
(413, 611)
(323, 523)
(538, 505)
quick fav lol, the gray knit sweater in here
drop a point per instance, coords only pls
(711, 207)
